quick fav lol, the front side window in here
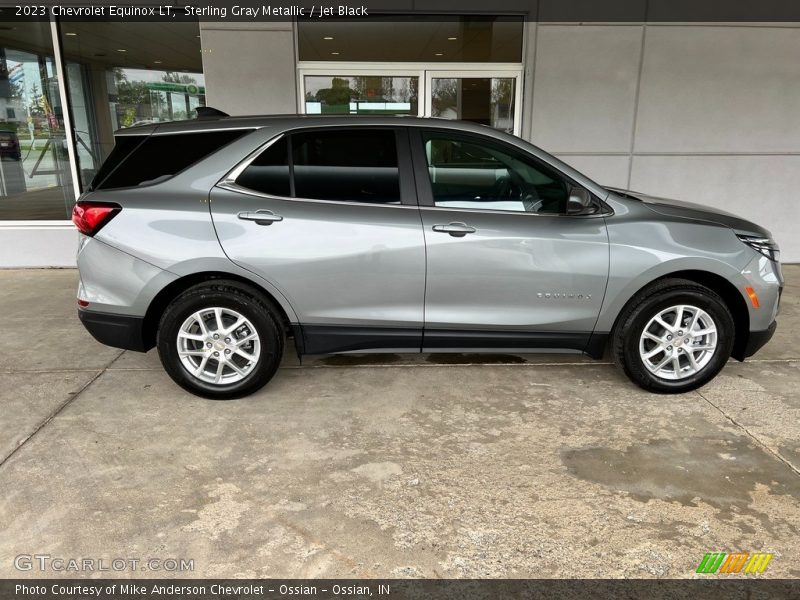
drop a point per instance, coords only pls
(470, 173)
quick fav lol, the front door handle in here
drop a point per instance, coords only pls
(455, 229)
(261, 217)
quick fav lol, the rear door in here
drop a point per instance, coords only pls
(329, 217)
(507, 268)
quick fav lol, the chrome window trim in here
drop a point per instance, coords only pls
(489, 211)
(229, 182)
(234, 173)
(232, 186)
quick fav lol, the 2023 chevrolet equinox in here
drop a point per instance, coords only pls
(216, 239)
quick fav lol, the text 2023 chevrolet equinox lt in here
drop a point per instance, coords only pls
(217, 238)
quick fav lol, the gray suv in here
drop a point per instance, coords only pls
(215, 240)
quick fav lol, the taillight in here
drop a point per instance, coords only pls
(90, 217)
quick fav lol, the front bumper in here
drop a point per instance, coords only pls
(118, 331)
(758, 339)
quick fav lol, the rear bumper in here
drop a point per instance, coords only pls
(757, 340)
(119, 331)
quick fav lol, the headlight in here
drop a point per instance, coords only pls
(762, 245)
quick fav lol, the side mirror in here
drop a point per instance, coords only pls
(580, 202)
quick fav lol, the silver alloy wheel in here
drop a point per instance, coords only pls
(678, 342)
(218, 345)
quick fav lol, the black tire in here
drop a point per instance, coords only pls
(648, 303)
(224, 294)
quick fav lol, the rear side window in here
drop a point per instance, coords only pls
(159, 157)
(269, 172)
(355, 165)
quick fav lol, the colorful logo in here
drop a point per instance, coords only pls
(741, 562)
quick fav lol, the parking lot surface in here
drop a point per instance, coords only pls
(385, 465)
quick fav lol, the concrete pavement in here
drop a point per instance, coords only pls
(383, 465)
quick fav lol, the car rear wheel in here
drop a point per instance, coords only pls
(219, 340)
(674, 336)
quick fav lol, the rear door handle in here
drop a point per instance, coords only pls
(261, 217)
(455, 229)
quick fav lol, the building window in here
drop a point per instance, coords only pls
(113, 81)
(361, 95)
(116, 81)
(35, 180)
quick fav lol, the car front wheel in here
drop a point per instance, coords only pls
(674, 336)
(219, 340)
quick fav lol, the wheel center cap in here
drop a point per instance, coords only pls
(678, 343)
(219, 345)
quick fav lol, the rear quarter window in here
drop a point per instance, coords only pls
(123, 146)
(157, 157)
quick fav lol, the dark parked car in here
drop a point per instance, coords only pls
(9, 145)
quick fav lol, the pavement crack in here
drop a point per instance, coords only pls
(752, 436)
(54, 413)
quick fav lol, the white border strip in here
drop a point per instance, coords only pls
(61, 76)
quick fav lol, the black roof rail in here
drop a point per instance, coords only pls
(207, 112)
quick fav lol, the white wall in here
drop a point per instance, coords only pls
(249, 68)
(45, 244)
(706, 113)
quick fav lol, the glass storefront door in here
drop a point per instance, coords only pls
(466, 67)
(485, 97)
(488, 97)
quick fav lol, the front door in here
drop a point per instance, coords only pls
(328, 216)
(506, 267)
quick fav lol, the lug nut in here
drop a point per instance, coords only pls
(686, 340)
(669, 348)
(216, 353)
(208, 345)
(227, 351)
(227, 340)
(669, 337)
(680, 333)
(216, 336)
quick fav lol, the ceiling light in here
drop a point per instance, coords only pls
(70, 33)
(335, 53)
(438, 54)
(452, 39)
(121, 50)
(157, 62)
(328, 37)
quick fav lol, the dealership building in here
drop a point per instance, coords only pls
(705, 112)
